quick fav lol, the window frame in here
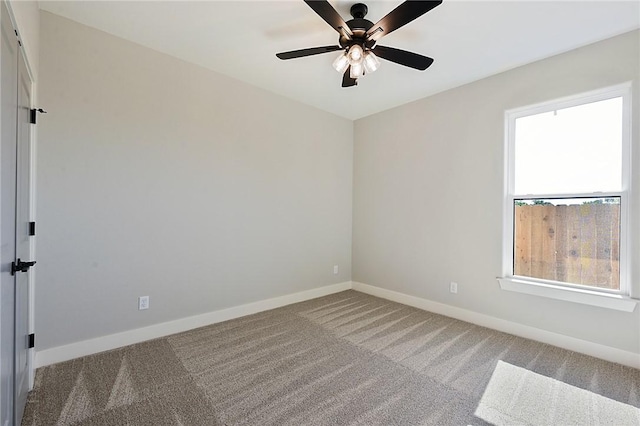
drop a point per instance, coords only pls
(558, 289)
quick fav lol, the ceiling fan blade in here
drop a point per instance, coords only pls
(400, 16)
(347, 81)
(402, 57)
(307, 52)
(329, 14)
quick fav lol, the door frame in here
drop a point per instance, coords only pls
(23, 353)
(32, 192)
(8, 205)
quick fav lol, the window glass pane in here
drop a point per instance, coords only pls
(569, 240)
(571, 150)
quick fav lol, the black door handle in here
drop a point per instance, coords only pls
(20, 266)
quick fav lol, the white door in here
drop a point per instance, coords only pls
(8, 135)
(15, 158)
(23, 244)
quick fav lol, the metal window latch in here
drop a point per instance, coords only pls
(20, 266)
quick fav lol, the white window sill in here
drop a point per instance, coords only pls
(586, 297)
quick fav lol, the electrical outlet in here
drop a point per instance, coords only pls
(143, 303)
(335, 269)
(453, 287)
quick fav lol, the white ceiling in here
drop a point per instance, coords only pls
(469, 40)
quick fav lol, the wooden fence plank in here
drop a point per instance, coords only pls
(615, 246)
(574, 267)
(535, 251)
(588, 241)
(522, 255)
(561, 242)
(603, 213)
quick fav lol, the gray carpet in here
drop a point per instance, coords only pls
(343, 359)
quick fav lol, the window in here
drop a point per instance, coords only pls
(567, 194)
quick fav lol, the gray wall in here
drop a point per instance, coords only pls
(161, 178)
(27, 16)
(428, 182)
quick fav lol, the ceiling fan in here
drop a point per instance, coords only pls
(358, 38)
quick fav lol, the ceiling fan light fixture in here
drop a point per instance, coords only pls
(356, 70)
(358, 36)
(371, 62)
(341, 63)
(355, 54)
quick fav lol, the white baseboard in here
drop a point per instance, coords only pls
(597, 350)
(113, 341)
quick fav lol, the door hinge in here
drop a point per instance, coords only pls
(32, 229)
(20, 266)
(32, 340)
(32, 118)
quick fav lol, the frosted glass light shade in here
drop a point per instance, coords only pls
(355, 54)
(371, 62)
(357, 70)
(341, 63)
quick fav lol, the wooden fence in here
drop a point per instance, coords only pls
(573, 243)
